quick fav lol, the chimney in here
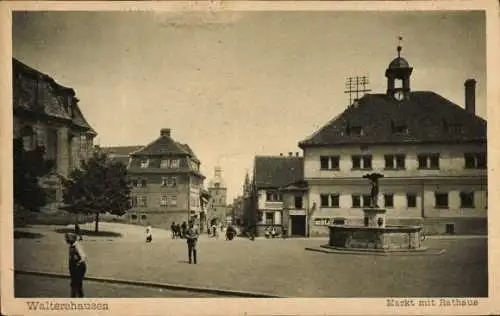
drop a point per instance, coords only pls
(165, 132)
(470, 96)
(290, 154)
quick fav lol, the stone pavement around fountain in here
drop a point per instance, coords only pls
(279, 267)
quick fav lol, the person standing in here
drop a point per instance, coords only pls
(172, 228)
(192, 240)
(184, 228)
(149, 234)
(77, 264)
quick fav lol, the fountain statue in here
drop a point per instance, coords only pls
(375, 234)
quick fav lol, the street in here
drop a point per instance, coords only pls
(276, 266)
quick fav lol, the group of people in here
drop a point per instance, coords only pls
(178, 230)
(77, 259)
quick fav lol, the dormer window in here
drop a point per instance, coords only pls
(354, 130)
(144, 163)
(452, 127)
(475, 161)
(399, 128)
(170, 163)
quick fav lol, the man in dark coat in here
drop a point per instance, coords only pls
(192, 240)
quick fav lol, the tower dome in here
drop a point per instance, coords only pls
(398, 63)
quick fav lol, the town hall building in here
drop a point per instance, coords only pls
(431, 152)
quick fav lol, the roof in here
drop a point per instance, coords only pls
(300, 185)
(426, 117)
(399, 62)
(165, 145)
(52, 99)
(121, 150)
(277, 171)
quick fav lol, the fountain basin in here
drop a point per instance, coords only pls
(388, 238)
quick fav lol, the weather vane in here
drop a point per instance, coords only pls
(400, 39)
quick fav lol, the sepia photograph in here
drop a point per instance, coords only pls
(252, 154)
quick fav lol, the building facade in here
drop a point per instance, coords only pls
(166, 182)
(271, 175)
(47, 114)
(431, 152)
(217, 205)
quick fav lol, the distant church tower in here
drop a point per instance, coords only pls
(217, 206)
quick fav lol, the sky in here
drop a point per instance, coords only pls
(234, 85)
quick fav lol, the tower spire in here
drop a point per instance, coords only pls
(399, 48)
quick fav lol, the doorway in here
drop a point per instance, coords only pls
(298, 225)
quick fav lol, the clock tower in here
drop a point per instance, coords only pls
(398, 77)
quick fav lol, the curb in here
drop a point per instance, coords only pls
(174, 287)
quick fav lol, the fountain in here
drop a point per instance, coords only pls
(375, 235)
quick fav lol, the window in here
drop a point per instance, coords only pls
(356, 201)
(329, 162)
(428, 161)
(359, 201)
(144, 200)
(273, 196)
(144, 163)
(164, 163)
(399, 129)
(143, 217)
(134, 183)
(467, 199)
(394, 161)
(269, 218)
(133, 217)
(411, 200)
(389, 200)
(441, 200)
(169, 182)
(163, 200)
(475, 160)
(366, 200)
(144, 183)
(173, 200)
(298, 202)
(356, 162)
(361, 161)
(324, 162)
(335, 200)
(133, 201)
(355, 130)
(170, 163)
(324, 200)
(329, 200)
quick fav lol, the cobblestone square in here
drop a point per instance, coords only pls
(279, 267)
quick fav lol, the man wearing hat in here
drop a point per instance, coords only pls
(192, 239)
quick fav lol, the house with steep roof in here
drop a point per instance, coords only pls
(270, 175)
(431, 152)
(48, 114)
(167, 185)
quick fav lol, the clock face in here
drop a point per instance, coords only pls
(399, 95)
